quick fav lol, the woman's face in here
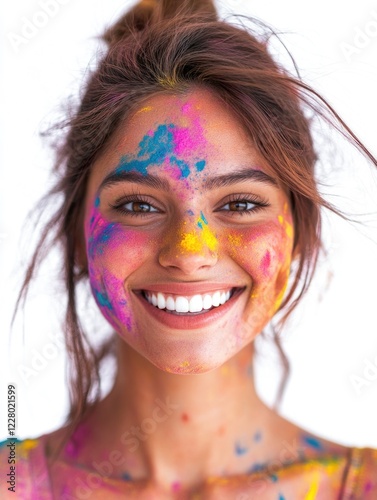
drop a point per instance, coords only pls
(188, 234)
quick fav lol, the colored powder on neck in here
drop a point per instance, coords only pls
(176, 487)
(240, 450)
(313, 490)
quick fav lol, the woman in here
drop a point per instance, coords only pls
(191, 208)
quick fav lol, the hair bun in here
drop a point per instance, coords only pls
(150, 11)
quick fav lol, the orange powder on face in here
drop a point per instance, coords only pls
(145, 109)
(279, 298)
(235, 240)
(286, 225)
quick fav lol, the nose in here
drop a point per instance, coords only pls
(189, 249)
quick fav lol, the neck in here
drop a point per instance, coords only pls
(182, 428)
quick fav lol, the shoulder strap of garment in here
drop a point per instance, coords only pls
(360, 479)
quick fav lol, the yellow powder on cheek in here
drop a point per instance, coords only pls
(279, 298)
(287, 226)
(185, 364)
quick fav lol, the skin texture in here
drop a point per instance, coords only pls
(183, 413)
(187, 239)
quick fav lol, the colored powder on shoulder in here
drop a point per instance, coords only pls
(312, 441)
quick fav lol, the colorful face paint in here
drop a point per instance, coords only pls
(159, 243)
(199, 241)
(104, 238)
(164, 147)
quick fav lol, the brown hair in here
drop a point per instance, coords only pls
(170, 46)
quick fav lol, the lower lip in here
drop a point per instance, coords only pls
(187, 321)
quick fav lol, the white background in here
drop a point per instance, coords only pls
(333, 336)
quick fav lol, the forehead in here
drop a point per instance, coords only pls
(180, 133)
(199, 111)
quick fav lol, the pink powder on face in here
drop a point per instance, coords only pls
(172, 169)
(186, 108)
(189, 140)
(266, 262)
(184, 141)
(104, 239)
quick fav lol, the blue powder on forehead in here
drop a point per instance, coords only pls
(200, 165)
(158, 146)
(154, 150)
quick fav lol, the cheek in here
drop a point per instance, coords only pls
(113, 254)
(264, 252)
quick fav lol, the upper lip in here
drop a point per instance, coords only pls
(188, 288)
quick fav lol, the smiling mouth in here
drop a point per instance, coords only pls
(190, 305)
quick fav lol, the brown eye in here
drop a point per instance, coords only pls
(139, 207)
(239, 206)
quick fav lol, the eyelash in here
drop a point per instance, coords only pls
(255, 200)
(137, 198)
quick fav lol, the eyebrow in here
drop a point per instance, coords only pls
(210, 183)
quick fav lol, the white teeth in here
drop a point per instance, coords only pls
(207, 302)
(170, 304)
(194, 304)
(216, 299)
(161, 303)
(181, 305)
